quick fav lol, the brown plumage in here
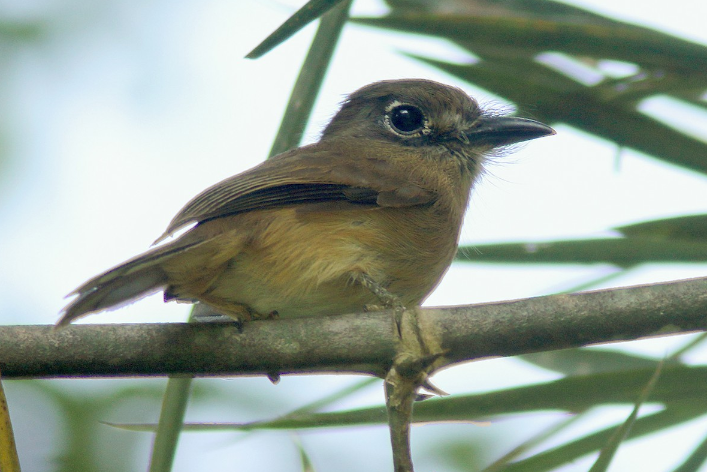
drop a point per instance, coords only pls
(382, 194)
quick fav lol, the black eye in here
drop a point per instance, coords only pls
(406, 119)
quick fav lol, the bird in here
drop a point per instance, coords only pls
(366, 218)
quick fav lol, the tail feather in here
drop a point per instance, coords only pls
(114, 293)
(136, 278)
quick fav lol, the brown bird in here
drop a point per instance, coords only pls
(369, 215)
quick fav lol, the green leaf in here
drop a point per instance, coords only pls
(307, 465)
(694, 460)
(690, 227)
(573, 450)
(612, 446)
(523, 36)
(82, 446)
(678, 385)
(623, 252)
(21, 31)
(302, 17)
(572, 362)
(680, 239)
(174, 406)
(310, 80)
(335, 397)
(523, 448)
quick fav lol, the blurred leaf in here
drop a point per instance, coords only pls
(693, 97)
(595, 280)
(520, 8)
(81, 415)
(588, 361)
(302, 17)
(609, 450)
(680, 388)
(677, 385)
(623, 252)
(694, 460)
(307, 465)
(525, 36)
(691, 227)
(574, 449)
(11, 31)
(681, 239)
(339, 395)
(687, 347)
(310, 79)
(83, 435)
(174, 406)
(531, 443)
(460, 454)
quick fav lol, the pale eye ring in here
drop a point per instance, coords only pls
(406, 120)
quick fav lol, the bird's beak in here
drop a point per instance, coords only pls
(502, 130)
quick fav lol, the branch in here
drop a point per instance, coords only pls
(356, 343)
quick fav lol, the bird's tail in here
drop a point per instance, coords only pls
(123, 284)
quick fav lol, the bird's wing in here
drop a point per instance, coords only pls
(317, 173)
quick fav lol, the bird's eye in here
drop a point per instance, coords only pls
(406, 119)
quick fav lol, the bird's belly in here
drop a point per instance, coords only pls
(304, 263)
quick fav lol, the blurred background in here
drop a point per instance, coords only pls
(114, 114)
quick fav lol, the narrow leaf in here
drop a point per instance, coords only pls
(307, 465)
(310, 79)
(573, 450)
(302, 17)
(174, 405)
(696, 459)
(623, 252)
(609, 450)
(690, 227)
(678, 384)
(587, 361)
(500, 464)
(525, 36)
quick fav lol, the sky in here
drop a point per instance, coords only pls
(129, 110)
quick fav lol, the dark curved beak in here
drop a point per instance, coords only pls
(503, 130)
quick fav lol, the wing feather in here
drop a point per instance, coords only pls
(315, 173)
